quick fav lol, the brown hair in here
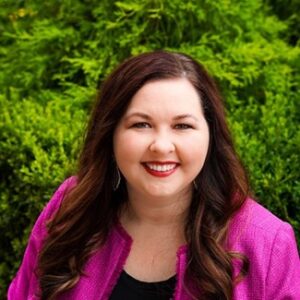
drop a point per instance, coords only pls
(89, 210)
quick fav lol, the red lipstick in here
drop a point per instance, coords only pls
(156, 168)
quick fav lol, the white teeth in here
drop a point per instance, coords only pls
(161, 168)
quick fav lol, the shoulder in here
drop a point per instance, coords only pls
(254, 217)
(52, 206)
(270, 245)
(262, 236)
(254, 230)
(59, 194)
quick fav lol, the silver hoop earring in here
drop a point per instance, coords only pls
(195, 185)
(116, 179)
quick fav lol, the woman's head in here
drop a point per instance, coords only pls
(118, 90)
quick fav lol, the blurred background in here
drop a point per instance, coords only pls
(54, 54)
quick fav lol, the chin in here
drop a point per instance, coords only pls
(155, 190)
(162, 191)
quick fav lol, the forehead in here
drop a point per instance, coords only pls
(167, 95)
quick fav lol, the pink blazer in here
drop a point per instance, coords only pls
(268, 242)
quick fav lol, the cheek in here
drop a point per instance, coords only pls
(195, 150)
(128, 146)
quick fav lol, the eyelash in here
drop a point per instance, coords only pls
(181, 126)
(141, 125)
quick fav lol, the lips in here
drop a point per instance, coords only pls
(160, 169)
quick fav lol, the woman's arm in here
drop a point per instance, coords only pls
(283, 278)
(25, 284)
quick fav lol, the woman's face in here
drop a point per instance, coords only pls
(161, 142)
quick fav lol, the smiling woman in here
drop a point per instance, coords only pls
(159, 207)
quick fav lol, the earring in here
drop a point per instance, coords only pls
(116, 179)
(195, 185)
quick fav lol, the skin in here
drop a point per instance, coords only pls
(160, 146)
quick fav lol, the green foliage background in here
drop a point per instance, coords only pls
(54, 53)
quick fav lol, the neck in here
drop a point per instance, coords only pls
(157, 212)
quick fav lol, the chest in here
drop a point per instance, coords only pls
(104, 269)
(151, 262)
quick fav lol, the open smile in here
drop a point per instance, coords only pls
(160, 169)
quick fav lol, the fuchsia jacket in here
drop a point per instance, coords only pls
(268, 242)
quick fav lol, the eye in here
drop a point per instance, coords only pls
(183, 126)
(141, 125)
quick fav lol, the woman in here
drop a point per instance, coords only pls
(159, 207)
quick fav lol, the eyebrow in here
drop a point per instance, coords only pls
(147, 117)
(138, 114)
(184, 116)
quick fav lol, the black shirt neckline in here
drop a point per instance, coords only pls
(128, 287)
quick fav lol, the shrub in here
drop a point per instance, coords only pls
(38, 146)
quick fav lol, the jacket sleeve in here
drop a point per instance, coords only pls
(283, 277)
(25, 284)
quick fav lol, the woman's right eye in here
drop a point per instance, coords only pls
(141, 125)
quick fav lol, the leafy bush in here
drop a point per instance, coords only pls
(54, 53)
(38, 145)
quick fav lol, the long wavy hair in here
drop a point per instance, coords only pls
(89, 210)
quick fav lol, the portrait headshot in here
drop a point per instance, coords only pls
(160, 207)
(149, 150)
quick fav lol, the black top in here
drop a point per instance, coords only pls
(130, 288)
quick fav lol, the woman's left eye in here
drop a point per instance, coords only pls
(183, 126)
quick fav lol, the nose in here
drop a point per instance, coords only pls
(162, 143)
